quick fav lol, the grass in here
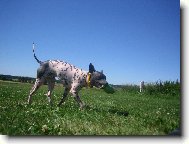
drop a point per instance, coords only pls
(123, 113)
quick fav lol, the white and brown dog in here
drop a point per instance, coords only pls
(71, 77)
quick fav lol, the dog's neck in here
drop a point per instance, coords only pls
(88, 79)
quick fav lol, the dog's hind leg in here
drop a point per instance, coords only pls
(51, 84)
(66, 91)
(35, 87)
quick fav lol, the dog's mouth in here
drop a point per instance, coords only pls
(101, 84)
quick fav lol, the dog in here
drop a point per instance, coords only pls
(72, 78)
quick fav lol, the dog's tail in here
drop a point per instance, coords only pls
(40, 62)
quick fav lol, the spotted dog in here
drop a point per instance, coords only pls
(71, 77)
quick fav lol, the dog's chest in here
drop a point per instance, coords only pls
(68, 73)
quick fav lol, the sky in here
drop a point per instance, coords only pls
(130, 40)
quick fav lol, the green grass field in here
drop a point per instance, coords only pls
(122, 113)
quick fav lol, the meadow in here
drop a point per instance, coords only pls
(157, 111)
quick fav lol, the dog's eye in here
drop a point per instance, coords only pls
(103, 77)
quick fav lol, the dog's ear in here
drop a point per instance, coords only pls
(102, 71)
(91, 68)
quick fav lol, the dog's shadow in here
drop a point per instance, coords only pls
(118, 112)
(112, 111)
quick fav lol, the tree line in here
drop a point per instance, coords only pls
(17, 78)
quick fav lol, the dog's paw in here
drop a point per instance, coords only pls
(82, 106)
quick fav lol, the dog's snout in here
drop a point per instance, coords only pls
(103, 82)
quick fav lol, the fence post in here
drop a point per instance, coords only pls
(141, 86)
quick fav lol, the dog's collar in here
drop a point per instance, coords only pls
(88, 79)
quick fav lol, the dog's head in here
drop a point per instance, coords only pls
(98, 79)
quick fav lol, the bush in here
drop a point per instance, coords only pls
(159, 87)
(167, 87)
(130, 88)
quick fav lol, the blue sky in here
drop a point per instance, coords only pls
(130, 40)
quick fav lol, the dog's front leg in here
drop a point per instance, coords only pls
(77, 99)
(66, 91)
